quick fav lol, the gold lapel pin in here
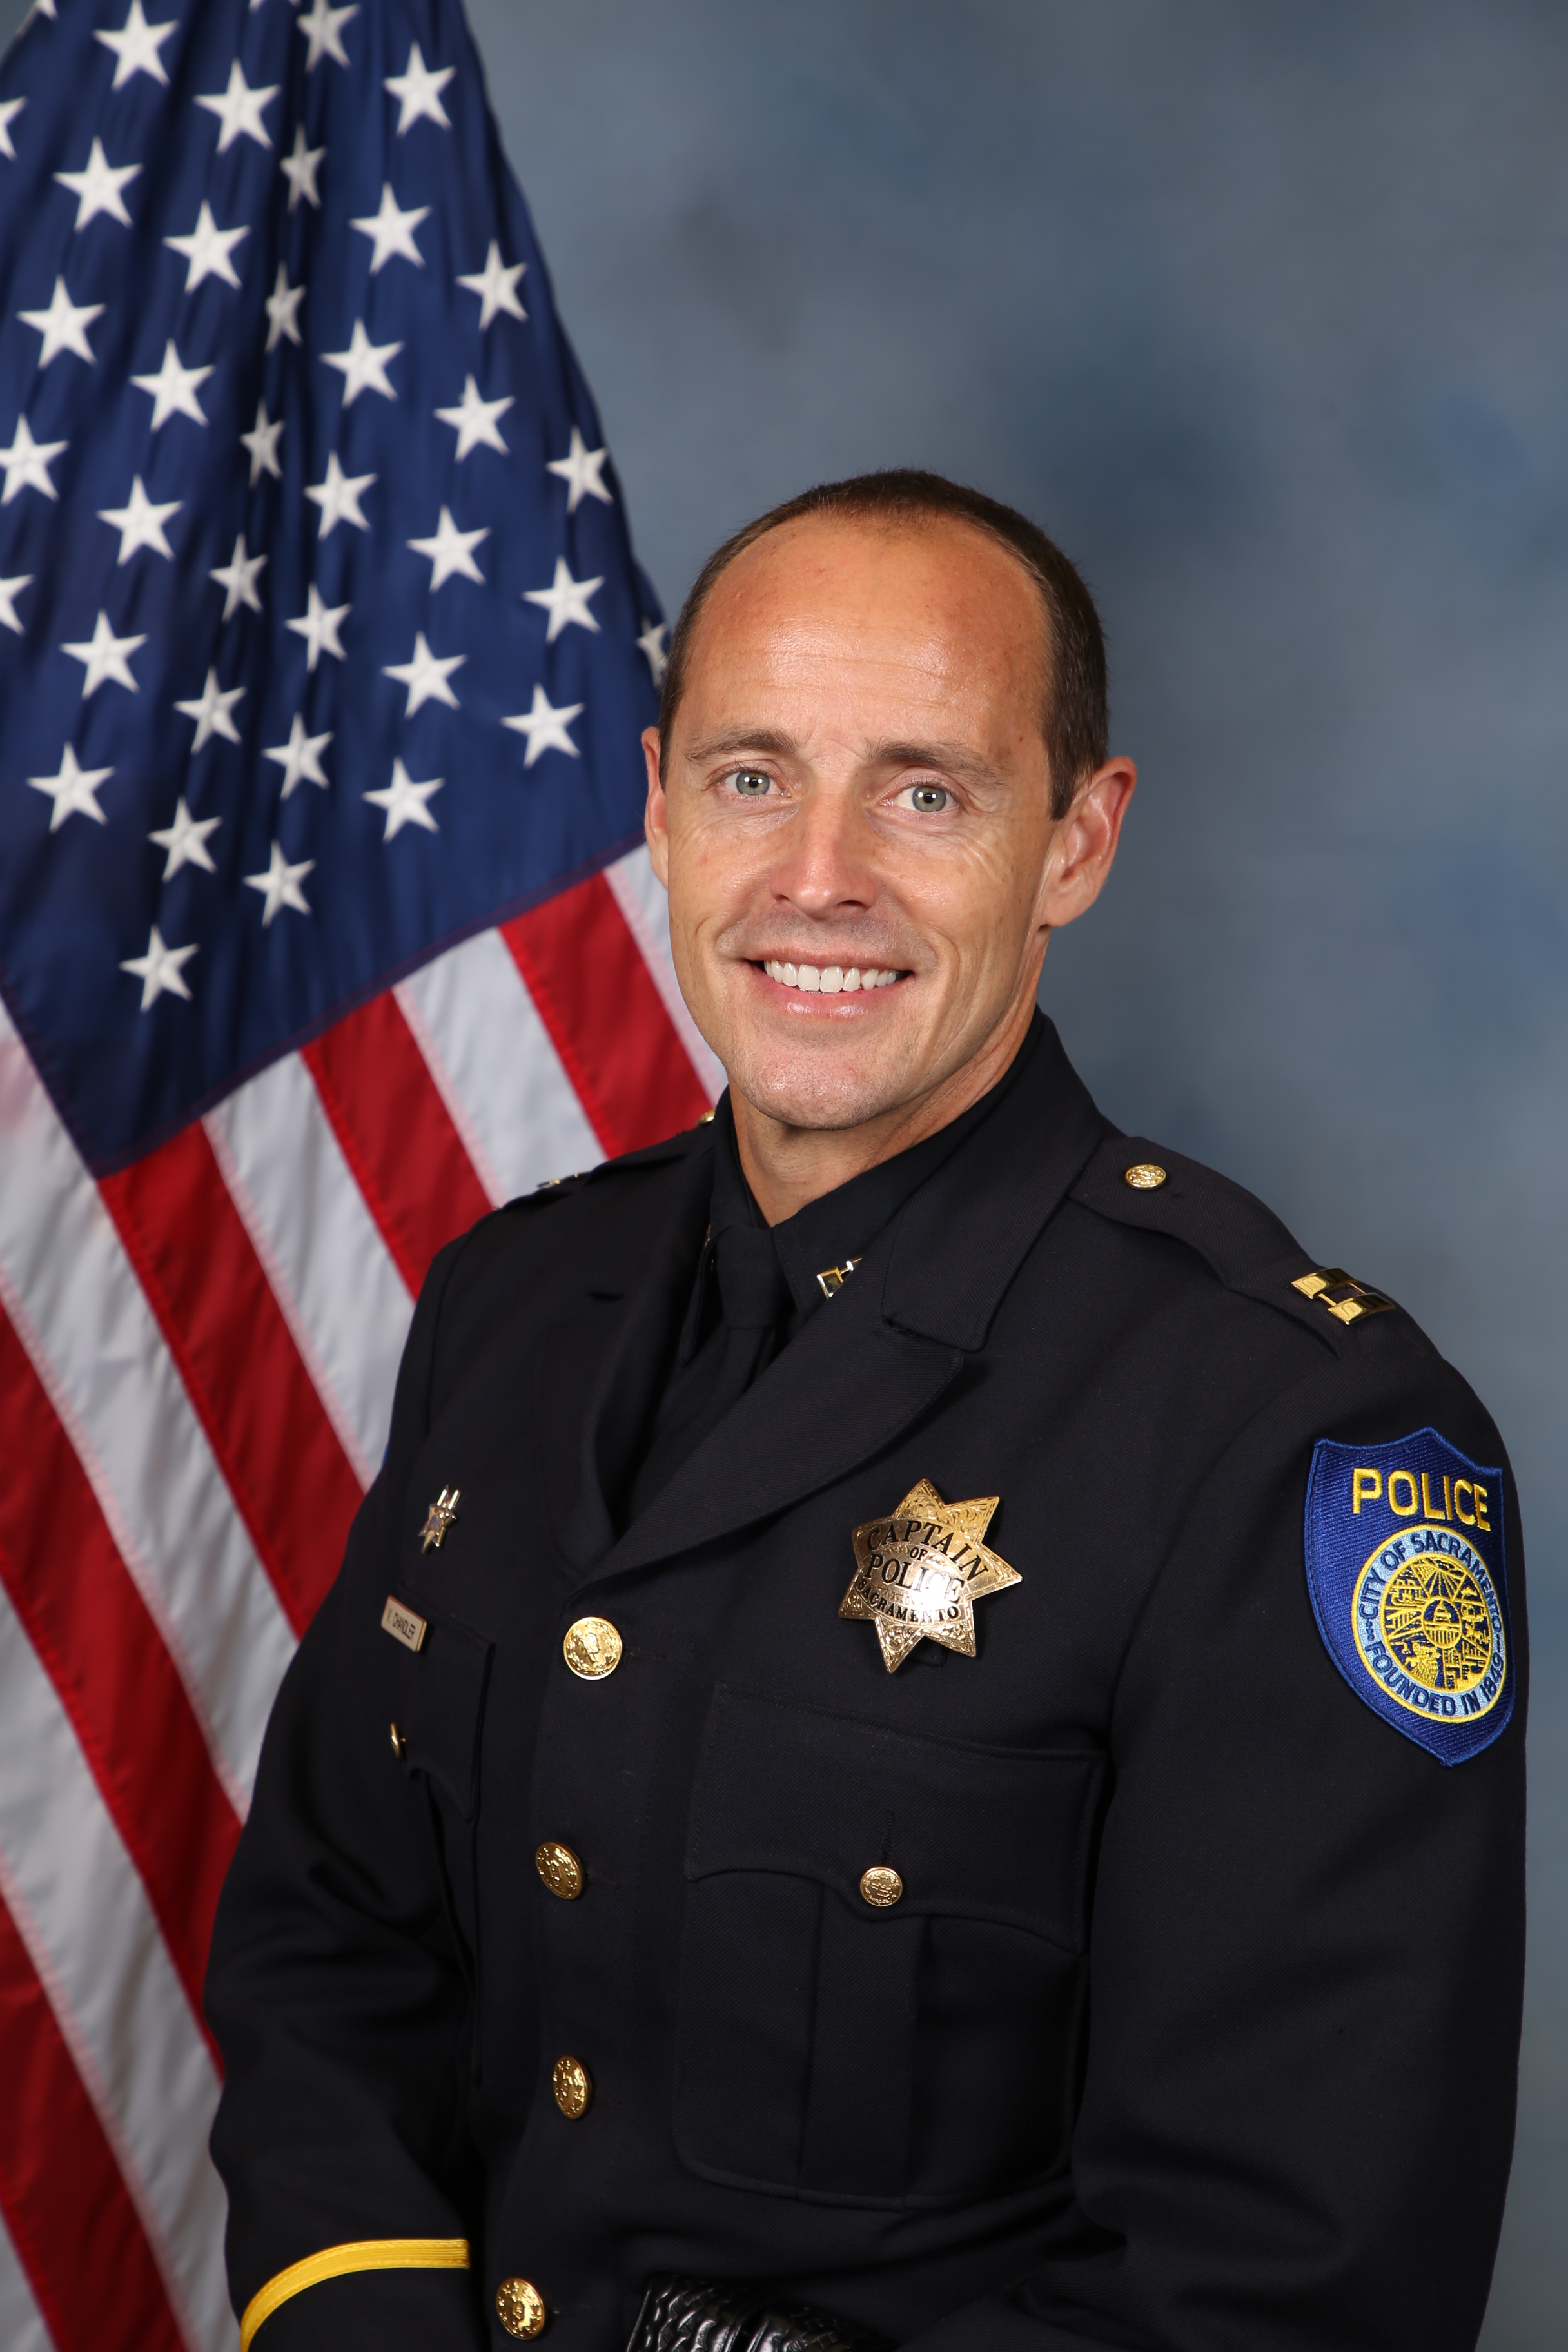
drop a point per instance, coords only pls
(439, 1520)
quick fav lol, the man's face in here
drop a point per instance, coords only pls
(855, 826)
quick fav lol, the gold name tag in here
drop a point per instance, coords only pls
(402, 1624)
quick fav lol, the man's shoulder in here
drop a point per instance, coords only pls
(1234, 1240)
(587, 1224)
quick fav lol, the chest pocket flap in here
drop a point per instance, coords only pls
(443, 1709)
(980, 1832)
(905, 2052)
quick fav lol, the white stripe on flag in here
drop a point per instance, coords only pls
(83, 1914)
(491, 1059)
(641, 897)
(21, 2327)
(332, 1275)
(80, 1314)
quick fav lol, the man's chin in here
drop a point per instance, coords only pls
(831, 1084)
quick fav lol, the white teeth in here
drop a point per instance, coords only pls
(830, 981)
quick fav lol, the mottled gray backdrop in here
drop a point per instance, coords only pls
(1263, 311)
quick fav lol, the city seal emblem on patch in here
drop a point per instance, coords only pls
(1405, 1566)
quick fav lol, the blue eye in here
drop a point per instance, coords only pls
(751, 782)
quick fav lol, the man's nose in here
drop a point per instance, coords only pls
(824, 861)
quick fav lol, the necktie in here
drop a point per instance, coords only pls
(755, 1300)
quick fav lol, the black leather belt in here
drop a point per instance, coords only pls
(690, 2315)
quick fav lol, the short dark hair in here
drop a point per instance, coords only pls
(1076, 719)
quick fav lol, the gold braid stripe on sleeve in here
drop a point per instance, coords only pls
(338, 2261)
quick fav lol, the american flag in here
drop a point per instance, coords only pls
(323, 655)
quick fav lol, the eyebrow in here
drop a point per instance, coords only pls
(891, 754)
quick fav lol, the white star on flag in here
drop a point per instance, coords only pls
(26, 464)
(323, 29)
(160, 970)
(74, 791)
(364, 365)
(390, 232)
(496, 287)
(565, 600)
(651, 644)
(10, 107)
(450, 550)
(426, 676)
(545, 727)
(9, 592)
(405, 802)
(283, 309)
(136, 47)
(262, 443)
(174, 389)
(97, 189)
(319, 624)
(63, 325)
(475, 420)
(418, 92)
(299, 757)
(185, 841)
(238, 108)
(583, 471)
(211, 711)
(238, 577)
(107, 657)
(337, 497)
(299, 170)
(140, 523)
(206, 250)
(281, 883)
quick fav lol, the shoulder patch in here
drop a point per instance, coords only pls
(1405, 1568)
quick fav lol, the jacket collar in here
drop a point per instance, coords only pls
(879, 1354)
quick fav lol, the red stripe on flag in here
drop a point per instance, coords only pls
(111, 1670)
(607, 1019)
(67, 2207)
(397, 1134)
(291, 1479)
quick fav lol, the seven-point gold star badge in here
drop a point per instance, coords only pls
(919, 1574)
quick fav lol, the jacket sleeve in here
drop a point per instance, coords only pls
(1307, 1954)
(335, 1987)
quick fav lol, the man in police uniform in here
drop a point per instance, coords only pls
(926, 1709)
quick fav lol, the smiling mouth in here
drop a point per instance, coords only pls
(830, 980)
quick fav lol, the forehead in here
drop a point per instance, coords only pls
(846, 611)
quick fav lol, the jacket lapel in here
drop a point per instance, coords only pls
(883, 1350)
(595, 1370)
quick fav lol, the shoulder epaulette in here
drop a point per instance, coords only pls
(1243, 1243)
(559, 1188)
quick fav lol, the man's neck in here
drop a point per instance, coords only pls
(786, 1167)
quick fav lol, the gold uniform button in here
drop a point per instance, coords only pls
(574, 2087)
(519, 2306)
(399, 1745)
(560, 1869)
(1147, 1177)
(591, 1648)
(881, 1887)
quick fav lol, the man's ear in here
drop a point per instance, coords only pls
(1084, 847)
(656, 816)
